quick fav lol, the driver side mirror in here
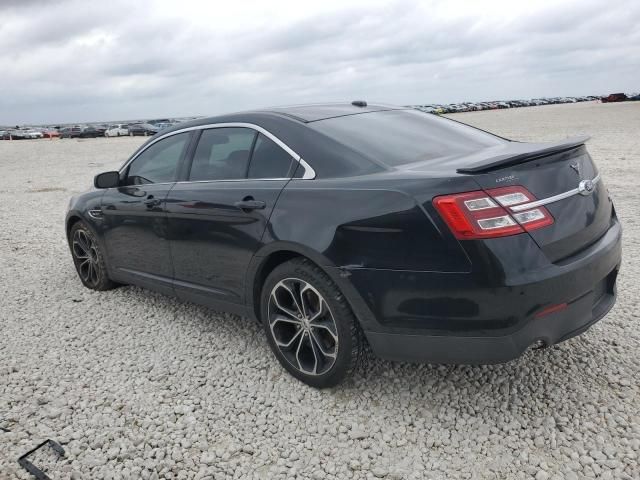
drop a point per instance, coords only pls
(107, 180)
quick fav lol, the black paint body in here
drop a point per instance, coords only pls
(418, 293)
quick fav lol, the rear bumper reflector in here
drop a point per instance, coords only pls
(551, 309)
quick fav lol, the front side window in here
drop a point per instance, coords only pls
(269, 160)
(159, 162)
(222, 154)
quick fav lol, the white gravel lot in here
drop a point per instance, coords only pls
(138, 385)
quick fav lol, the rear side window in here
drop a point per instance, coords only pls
(222, 154)
(159, 162)
(397, 137)
(269, 160)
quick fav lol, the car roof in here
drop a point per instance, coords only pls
(302, 113)
(321, 111)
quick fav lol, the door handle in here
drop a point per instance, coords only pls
(249, 203)
(152, 202)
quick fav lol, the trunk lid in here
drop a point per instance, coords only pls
(550, 170)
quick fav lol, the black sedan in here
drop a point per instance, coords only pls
(81, 132)
(339, 225)
(142, 129)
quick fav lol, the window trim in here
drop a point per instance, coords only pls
(309, 173)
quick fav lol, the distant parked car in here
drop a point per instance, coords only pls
(99, 129)
(4, 135)
(26, 133)
(71, 132)
(117, 130)
(164, 125)
(92, 132)
(50, 133)
(614, 97)
(19, 134)
(159, 121)
(81, 132)
(634, 98)
(143, 129)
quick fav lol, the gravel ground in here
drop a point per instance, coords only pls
(137, 385)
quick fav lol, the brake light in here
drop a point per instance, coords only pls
(487, 214)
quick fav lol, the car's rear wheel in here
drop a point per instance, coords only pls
(88, 258)
(309, 324)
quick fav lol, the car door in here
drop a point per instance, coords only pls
(135, 218)
(217, 217)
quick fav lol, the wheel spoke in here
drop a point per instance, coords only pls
(293, 320)
(328, 327)
(295, 298)
(305, 292)
(83, 269)
(96, 272)
(274, 295)
(321, 310)
(78, 252)
(304, 338)
(91, 272)
(282, 342)
(315, 353)
(83, 241)
(79, 249)
(322, 349)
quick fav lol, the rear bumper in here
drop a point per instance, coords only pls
(465, 318)
(549, 330)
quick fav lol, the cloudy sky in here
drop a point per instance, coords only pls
(73, 61)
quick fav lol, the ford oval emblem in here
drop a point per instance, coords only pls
(585, 187)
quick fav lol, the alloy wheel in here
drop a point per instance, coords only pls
(86, 255)
(302, 326)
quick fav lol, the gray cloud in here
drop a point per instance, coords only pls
(132, 60)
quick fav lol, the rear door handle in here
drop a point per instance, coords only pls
(248, 204)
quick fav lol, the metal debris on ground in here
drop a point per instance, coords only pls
(31, 468)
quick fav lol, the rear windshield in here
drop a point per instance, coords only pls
(398, 137)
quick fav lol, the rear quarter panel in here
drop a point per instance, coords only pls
(375, 224)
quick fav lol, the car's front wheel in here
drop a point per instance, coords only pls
(309, 324)
(88, 258)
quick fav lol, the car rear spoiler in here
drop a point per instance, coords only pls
(514, 153)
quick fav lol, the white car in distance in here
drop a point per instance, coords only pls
(117, 130)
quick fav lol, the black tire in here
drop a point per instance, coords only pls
(88, 258)
(347, 346)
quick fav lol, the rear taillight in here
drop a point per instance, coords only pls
(487, 214)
